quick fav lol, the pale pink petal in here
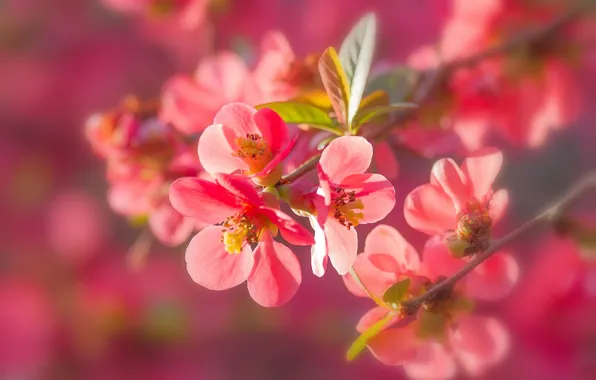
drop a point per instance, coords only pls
(210, 266)
(428, 209)
(451, 179)
(216, 154)
(376, 193)
(224, 73)
(291, 230)
(133, 197)
(273, 129)
(276, 41)
(342, 245)
(494, 278)
(278, 158)
(237, 120)
(169, 226)
(324, 185)
(276, 275)
(481, 168)
(498, 205)
(371, 317)
(479, 342)
(437, 259)
(318, 251)
(345, 156)
(202, 200)
(376, 279)
(240, 187)
(385, 161)
(386, 239)
(431, 361)
(395, 346)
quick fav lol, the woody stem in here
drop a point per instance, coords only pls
(551, 214)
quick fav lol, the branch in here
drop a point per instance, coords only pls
(549, 215)
(309, 165)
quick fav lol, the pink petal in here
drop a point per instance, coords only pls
(431, 361)
(239, 186)
(376, 193)
(216, 154)
(437, 259)
(479, 342)
(371, 317)
(386, 239)
(376, 279)
(133, 197)
(224, 74)
(291, 230)
(494, 278)
(385, 161)
(324, 185)
(237, 120)
(342, 245)
(273, 129)
(210, 266)
(481, 168)
(276, 41)
(394, 346)
(204, 201)
(278, 158)
(428, 209)
(276, 276)
(169, 226)
(345, 156)
(498, 205)
(318, 252)
(451, 179)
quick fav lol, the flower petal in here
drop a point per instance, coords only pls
(450, 178)
(204, 201)
(374, 278)
(237, 120)
(240, 187)
(224, 74)
(169, 226)
(318, 252)
(291, 230)
(498, 205)
(481, 168)
(394, 346)
(494, 278)
(273, 129)
(437, 259)
(278, 158)
(210, 266)
(376, 193)
(386, 239)
(371, 317)
(385, 161)
(216, 154)
(345, 156)
(428, 209)
(276, 276)
(431, 361)
(342, 245)
(479, 342)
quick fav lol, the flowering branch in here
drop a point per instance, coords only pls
(551, 214)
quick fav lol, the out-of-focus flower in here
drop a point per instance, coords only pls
(351, 197)
(460, 199)
(220, 256)
(244, 139)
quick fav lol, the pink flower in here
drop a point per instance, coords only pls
(244, 139)
(442, 336)
(460, 199)
(220, 256)
(351, 197)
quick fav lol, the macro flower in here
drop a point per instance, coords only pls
(246, 140)
(431, 342)
(351, 197)
(460, 199)
(221, 257)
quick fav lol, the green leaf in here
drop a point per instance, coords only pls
(336, 83)
(356, 54)
(396, 292)
(398, 83)
(367, 114)
(360, 344)
(303, 113)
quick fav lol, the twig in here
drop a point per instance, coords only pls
(309, 165)
(549, 215)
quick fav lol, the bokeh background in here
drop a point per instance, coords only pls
(71, 306)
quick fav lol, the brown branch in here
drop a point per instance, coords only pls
(307, 166)
(549, 215)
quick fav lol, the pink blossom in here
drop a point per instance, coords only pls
(220, 256)
(458, 198)
(244, 139)
(440, 338)
(351, 197)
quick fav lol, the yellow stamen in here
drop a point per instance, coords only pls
(346, 208)
(253, 150)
